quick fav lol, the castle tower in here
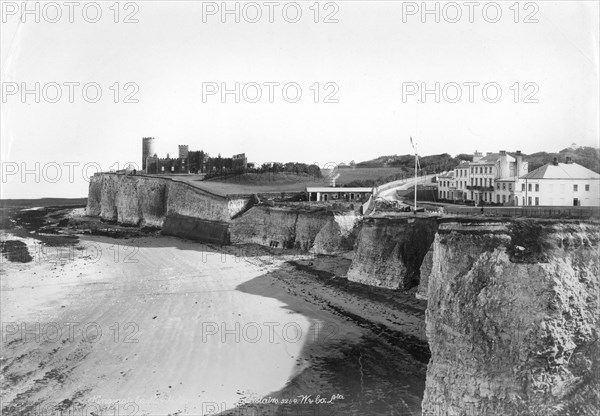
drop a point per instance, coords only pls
(183, 151)
(147, 150)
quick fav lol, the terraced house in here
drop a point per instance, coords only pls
(489, 178)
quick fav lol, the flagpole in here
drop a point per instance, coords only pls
(414, 146)
(415, 179)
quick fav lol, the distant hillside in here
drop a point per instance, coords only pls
(585, 156)
(433, 163)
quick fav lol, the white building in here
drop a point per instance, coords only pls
(360, 194)
(487, 179)
(559, 184)
(446, 186)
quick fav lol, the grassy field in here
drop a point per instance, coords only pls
(348, 175)
(254, 183)
(257, 183)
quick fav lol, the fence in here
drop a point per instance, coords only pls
(534, 212)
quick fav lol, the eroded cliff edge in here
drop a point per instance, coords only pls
(148, 201)
(389, 251)
(512, 319)
(182, 210)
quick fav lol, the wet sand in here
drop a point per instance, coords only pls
(154, 325)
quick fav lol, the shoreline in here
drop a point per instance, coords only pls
(349, 331)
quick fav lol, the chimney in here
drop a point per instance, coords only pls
(502, 152)
(569, 160)
(555, 161)
(519, 163)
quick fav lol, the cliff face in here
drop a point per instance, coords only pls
(425, 271)
(183, 211)
(139, 200)
(389, 252)
(338, 235)
(288, 228)
(512, 319)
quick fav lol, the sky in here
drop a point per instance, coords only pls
(531, 69)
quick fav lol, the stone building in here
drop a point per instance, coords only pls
(189, 161)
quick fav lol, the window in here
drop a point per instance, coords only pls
(504, 187)
(522, 187)
(537, 200)
(503, 199)
(587, 187)
(498, 198)
(574, 188)
(529, 188)
(537, 187)
(510, 187)
(528, 200)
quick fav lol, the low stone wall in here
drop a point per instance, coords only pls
(196, 229)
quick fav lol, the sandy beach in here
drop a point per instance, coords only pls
(139, 323)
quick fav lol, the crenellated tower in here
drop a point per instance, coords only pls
(147, 150)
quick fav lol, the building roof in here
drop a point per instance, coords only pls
(446, 175)
(561, 171)
(338, 189)
(493, 158)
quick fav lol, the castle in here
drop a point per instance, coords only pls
(189, 161)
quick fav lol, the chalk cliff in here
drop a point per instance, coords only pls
(147, 201)
(320, 232)
(184, 211)
(512, 319)
(389, 251)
